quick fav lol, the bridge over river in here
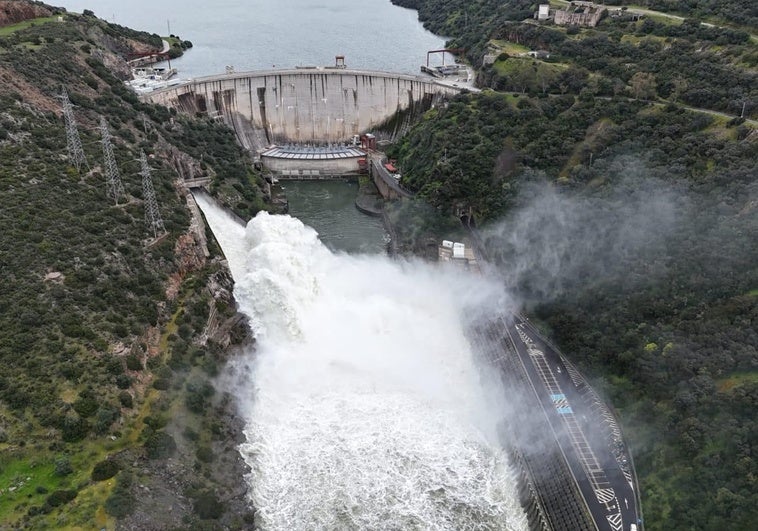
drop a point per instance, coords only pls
(307, 105)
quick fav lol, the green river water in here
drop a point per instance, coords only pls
(329, 207)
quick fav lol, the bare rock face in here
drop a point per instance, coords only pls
(14, 11)
(113, 51)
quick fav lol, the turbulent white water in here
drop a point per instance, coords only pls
(366, 410)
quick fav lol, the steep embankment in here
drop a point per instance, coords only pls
(111, 340)
(13, 12)
(625, 222)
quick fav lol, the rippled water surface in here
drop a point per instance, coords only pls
(261, 34)
(329, 207)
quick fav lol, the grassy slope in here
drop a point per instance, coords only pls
(72, 391)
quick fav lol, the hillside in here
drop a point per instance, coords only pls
(625, 222)
(622, 218)
(111, 339)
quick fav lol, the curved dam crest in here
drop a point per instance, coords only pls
(306, 105)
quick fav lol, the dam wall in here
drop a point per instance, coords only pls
(310, 105)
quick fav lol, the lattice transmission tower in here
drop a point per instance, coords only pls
(73, 142)
(114, 187)
(152, 213)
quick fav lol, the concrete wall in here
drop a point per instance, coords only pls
(302, 105)
(388, 187)
(311, 167)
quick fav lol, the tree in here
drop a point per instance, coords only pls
(643, 85)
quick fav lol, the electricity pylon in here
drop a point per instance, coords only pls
(73, 142)
(152, 214)
(114, 187)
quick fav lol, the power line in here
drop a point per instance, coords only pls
(73, 142)
(152, 213)
(114, 187)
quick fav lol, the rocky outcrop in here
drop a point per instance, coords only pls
(13, 12)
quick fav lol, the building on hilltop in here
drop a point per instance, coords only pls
(543, 12)
(577, 13)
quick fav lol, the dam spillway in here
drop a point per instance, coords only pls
(364, 406)
(305, 105)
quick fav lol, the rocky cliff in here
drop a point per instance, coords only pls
(15, 11)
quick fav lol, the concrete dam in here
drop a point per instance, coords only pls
(307, 105)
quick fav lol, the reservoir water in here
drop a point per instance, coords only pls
(261, 34)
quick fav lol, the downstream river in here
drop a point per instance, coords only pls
(366, 409)
(329, 207)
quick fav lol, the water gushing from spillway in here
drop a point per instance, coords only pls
(364, 407)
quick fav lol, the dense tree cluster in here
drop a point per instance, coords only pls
(742, 12)
(685, 59)
(85, 312)
(626, 227)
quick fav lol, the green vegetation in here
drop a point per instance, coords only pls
(741, 12)
(686, 62)
(105, 362)
(177, 46)
(624, 221)
(8, 30)
(101, 324)
(509, 48)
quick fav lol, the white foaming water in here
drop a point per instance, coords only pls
(366, 409)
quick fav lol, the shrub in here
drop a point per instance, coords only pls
(74, 428)
(162, 384)
(105, 470)
(121, 502)
(198, 393)
(60, 497)
(86, 405)
(114, 365)
(134, 362)
(123, 381)
(190, 434)
(106, 416)
(126, 399)
(204, 454)
(159, 444)
(207, 506)
(62, 467)
(156, 421)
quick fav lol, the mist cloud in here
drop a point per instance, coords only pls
(559, 239)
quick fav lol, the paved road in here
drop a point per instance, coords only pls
(606, 489)
(661, 103)
(465, 81)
